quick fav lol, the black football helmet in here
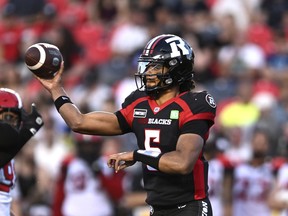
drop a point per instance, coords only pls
(10, 103)
(169, 51)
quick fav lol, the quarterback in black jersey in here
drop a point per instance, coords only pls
(170, 121)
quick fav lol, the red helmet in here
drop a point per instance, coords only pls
(85, 138)
(10, 101)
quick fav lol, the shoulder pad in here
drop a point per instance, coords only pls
(132, 97)
(200, 102)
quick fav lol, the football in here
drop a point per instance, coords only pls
(43, 59)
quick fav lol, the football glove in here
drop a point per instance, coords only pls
(32, 121)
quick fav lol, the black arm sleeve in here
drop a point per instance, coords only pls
(123, 123)
(11, 141)
(200, 127)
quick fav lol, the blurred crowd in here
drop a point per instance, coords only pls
(241, 49)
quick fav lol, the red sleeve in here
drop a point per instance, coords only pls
(59, 194)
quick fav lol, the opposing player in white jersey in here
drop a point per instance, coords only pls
(215, 177)
(279, 197)
(82, 184)
(253, 180)
(16, 128)
(7, 180)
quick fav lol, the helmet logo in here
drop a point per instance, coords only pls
(174, 46)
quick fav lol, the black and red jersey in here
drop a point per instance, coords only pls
(158, 128)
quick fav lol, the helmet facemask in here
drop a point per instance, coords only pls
(10, 117)
(141, 77)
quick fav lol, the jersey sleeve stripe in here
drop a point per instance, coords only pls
(199, 179)
(188, 116)
(203, 116)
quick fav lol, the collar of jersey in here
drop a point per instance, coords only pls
(153, 105)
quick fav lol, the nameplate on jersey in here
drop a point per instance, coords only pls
(156, 121)
(140, 113)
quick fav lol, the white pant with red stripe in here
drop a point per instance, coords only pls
(7, 181)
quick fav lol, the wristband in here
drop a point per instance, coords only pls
(61, 100)
(150, 158)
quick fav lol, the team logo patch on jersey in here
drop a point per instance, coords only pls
(156, 109)
(210, 100)
(140, 113)
(174, 114)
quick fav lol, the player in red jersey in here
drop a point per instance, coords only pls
(170, 121)
(16, 128)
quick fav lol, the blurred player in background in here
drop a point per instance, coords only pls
(85, 185)
(253, 180)
(170, 121)
(278, 199)
(216, 174)
(16, 128)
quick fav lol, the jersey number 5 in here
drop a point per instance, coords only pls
(152, 137)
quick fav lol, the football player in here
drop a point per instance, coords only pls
(79, 189)
(278, 199)
(170, 121)
(16, 128)
(253, 180)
